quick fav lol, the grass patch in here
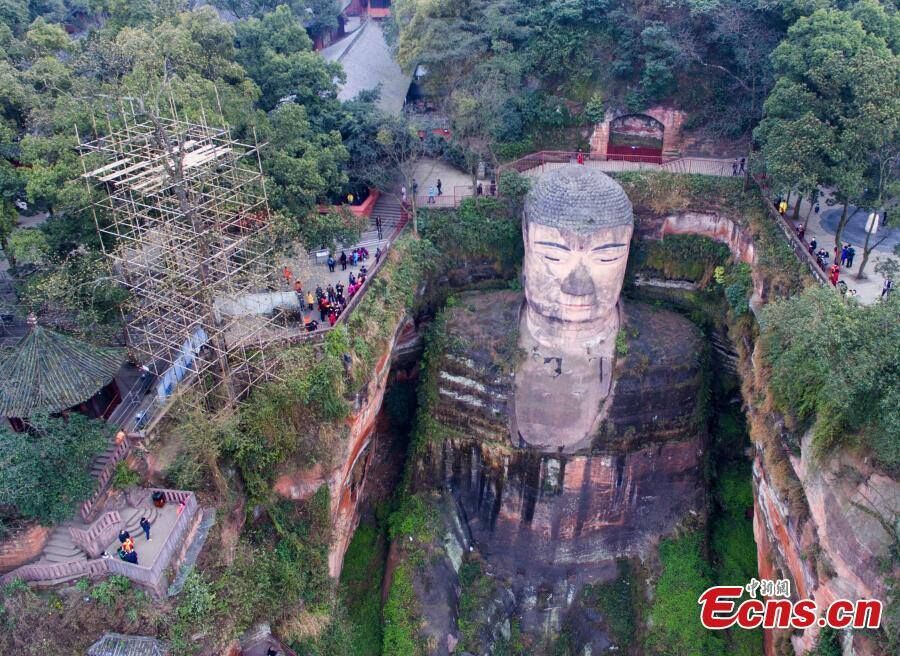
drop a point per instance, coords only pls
(619, 603)
(360, 589)
(400, 617)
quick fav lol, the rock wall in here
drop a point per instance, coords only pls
(671, 119)
(347, 478)
(22, 547)
(839, 546)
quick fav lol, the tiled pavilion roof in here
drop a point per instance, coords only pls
(49, 372)
(118, 644)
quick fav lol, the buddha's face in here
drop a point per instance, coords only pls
(573, 277)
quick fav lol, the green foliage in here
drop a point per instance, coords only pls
(106, 592)
(622, 343)
(683, 257)
(836, 364)
(675, 630)
(45, 473)
(476, 588)
(619, 603)
(415, 519)
(124, 476)
(336, 226)
(595, 109)
(828, 644)
(400, 618)
(479, 229)
(738, 288)
(28, 247)
(360, 589)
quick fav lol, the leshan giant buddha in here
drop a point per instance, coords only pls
(577, 227)
(560, 451)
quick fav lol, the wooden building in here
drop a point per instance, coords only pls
(50, 372)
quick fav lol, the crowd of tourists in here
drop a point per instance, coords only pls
(332, 300)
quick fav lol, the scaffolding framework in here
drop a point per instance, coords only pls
(185, 222)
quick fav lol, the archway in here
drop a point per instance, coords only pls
(635, 137)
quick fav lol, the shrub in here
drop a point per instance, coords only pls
(400, 623)
(616, 601)
(46, 473)
(124, 476)
(837, 364)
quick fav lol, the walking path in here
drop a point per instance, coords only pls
(822, 227)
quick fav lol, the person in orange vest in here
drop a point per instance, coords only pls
(288, 275)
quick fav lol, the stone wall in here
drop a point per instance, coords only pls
(671, 119)
(23, 546)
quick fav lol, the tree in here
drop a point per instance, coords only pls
(837, 93)
(836, 364)
(304, 164)
(45, 473)
(277, 53)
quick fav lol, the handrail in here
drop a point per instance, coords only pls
(153, 577)
(103, 479)
(94, 540)
(797, 245)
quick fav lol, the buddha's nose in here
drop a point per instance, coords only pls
(578, 282)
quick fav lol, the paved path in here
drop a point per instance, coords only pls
(822, 228)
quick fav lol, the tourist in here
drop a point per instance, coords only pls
(309, 301)
(734, 167)
(440, 191)
(415, 188)
(844, 255)
(323, 308)
(332, 317)
(743, 162)
(343, 261)
(493, 188)
(363, 270)
(298, 290)
(378, 226)
(331, 263)
(145, 525)
(350, 198)
(319, 293)
(432, 192)
(479, 190)
(835, 274)
(339, 290)
(288, 274)
(886, 287)
(329, 292)
(352, 279)
(354, 257)
(377, 254)
(124, 535)
(579, 157)
(851, 253)
(403, 194)
(816, 209)
(311, 325)
(800, 231)
(782, 207)
(812, 245)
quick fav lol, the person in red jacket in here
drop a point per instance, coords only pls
(835, 273)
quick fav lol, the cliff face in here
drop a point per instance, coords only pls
(833, 541)
(348, 473)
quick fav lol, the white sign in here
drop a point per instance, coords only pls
(872, 223)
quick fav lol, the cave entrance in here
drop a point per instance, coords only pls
(636, 138)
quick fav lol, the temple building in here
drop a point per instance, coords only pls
(48, 372)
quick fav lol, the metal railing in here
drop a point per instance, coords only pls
(117, 454)
(545, 159)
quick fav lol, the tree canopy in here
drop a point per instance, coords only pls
(45, 473)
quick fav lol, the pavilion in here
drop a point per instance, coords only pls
(48, 372)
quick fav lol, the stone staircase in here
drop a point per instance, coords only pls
(131, 517)
(388, 208)
(101, 461)
(60, 548)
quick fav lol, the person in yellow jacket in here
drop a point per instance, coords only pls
(309, 300)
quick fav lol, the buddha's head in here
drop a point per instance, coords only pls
(577, 227)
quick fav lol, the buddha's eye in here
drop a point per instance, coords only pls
(552, 259)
